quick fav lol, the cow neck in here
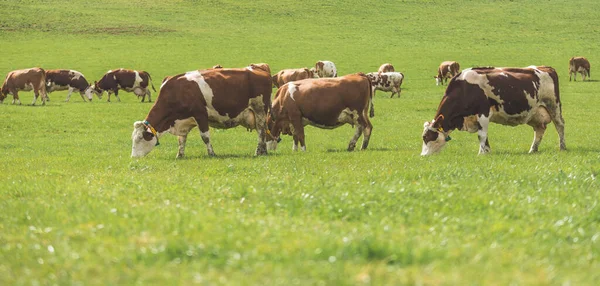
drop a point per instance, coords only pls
(445, 116)
(159, 119)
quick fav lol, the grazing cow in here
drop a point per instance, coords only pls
(508, 96)
(325, 69)
(287, 75)
(127, 80)
(579, 65)
(446, 70)
(386, 68)
(25, 80)
(387, 81)
(325, 103)
(68, 80)
(219, 98)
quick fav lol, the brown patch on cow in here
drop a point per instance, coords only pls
(64, 78)
(576, 64)
(387, 67)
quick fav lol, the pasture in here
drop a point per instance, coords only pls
(76, 209)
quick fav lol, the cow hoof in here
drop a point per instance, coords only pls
(179, 156)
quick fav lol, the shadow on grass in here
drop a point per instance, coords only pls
(358, 150)
(222, 156)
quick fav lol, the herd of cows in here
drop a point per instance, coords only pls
(227, 97)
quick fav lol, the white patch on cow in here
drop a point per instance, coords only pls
(109, 71)
(348, 116)
(303, 148)
(206, 138)
(272, 145)
(140, 147)
(76, 74)
(484, 122)
(504, 74)
(249, 68)
(329, 69)
(438, 81)
(292, 89)
(182, 126)
(432, 147)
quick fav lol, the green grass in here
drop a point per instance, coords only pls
(76, 209)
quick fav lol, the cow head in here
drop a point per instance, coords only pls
(434, 137)
(89, 93)
(438, 80)
(313, 72)
(96, 90)
(217, 67)
(3, 92)
(144, 138)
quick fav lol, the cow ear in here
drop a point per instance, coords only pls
(138, 125)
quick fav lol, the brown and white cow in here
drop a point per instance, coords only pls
(508, 96)
(219, 98)
(25, 80)
(325, 69)
(287, 75)
(127, 80)
(579, 65)
(387, 81)
(324, 103)
(386, 68)
(68, 80)
(447, 70)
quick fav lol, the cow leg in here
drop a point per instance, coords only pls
(182, 140)
(149, 95)
(261, 130)
(539, 131)
(484, 145)
(116, 91)
(368, 127)
(202, 121)
(16, 97)
(559, 123)
(295, 144)
(357, 133)
(299, 131)
(108, 92)
(35, 96)
(69, 95)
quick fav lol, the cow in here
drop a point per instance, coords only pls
(219, 98)
(447, 70)
(386, 68)
(325, 69)
(579, 65)
(68, 80)
(127, 80)
(25, 80)
(387, 81)
(324, 103)
(507, 96)
(287, 75)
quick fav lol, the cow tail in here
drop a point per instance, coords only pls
(151, 83)
(371, 108)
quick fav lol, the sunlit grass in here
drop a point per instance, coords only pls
(76, 209)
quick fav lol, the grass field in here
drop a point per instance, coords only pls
(76, 209)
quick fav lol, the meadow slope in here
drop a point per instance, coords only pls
(76, 209)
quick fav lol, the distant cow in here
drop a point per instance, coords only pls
(387, 81)
(386, 68)
(579, 65)
(446, 70)
(325, 69)
(25, 80)
(68, 80)
(508, 96)
(127, 80)
(325, 103)
(219, 98)
(287, 75)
